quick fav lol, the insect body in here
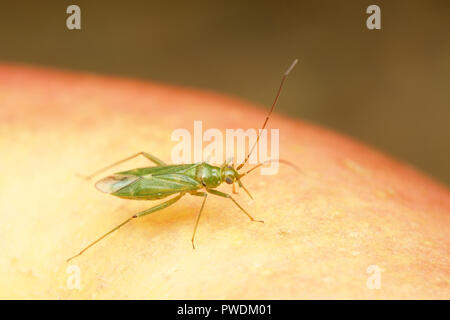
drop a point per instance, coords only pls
(163, 180)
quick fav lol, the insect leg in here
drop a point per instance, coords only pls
(200, 194)
(234, 189)
(140, 214)
(145, 154)
(159, 206)
(226, 195)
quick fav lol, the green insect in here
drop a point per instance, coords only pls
(163, 180)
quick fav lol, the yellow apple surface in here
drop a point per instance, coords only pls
(355, 223)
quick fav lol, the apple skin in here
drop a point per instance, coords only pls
(352, 207)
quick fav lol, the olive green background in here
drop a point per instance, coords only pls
(388, 87)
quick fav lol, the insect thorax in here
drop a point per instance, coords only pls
(208, 175)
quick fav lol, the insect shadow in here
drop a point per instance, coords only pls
(164, 180)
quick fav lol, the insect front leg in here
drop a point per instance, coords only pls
(234, 189)
(150, 157)
(204, 195)
(226, 195)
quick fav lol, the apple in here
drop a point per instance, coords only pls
(355, 223)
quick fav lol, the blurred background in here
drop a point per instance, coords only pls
(388, 87)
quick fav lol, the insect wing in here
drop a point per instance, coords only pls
(160, 170)
(115, 182)
(157, 187)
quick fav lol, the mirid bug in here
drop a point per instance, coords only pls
(163, 180)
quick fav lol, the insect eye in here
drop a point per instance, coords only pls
(229, 180)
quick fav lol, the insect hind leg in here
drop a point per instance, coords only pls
(137, 215)
(159, 206)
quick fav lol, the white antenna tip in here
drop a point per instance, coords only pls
(291, 67)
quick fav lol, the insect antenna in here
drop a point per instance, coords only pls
(267, 161)
(270, 112)
(103, 236)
